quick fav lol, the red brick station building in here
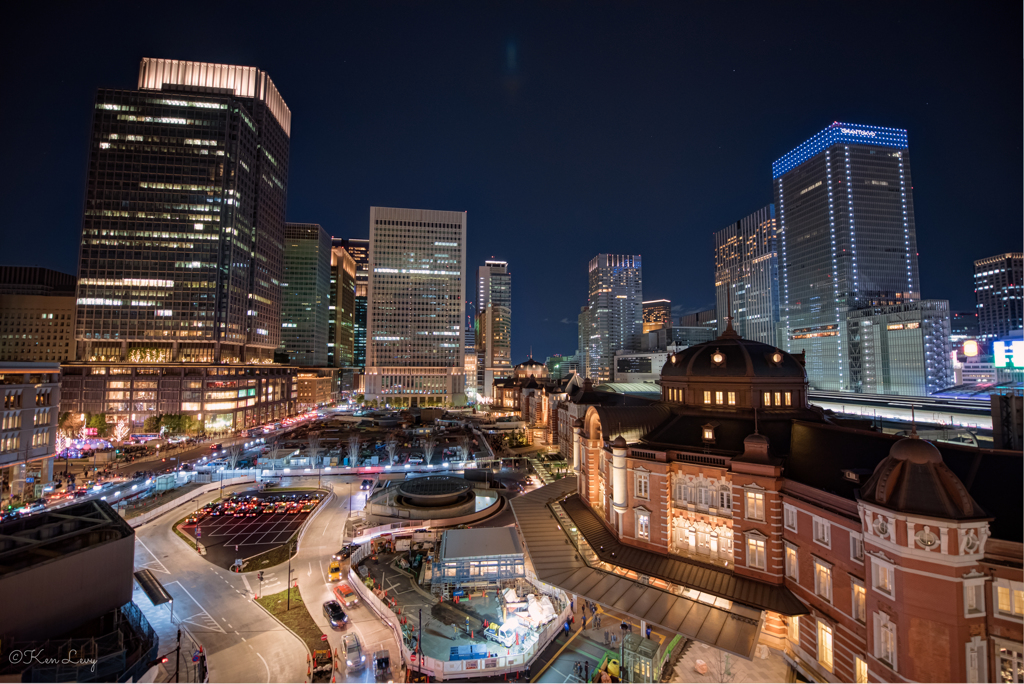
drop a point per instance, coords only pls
(733, 512)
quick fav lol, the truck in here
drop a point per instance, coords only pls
(505, 634)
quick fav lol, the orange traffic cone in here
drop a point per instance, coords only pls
(307, 658)
(308, 671)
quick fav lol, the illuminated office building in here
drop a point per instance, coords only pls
(847, 240)
(657, 315)
(469, 353)
(999, 288)
(359, 250)
(747, 276)
(183, 226)
(305, 294)
(37, 314)
(342, 310)
(416, 294)
(616, 310)
(494, 325)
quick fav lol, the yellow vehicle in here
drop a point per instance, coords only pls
(334, 570)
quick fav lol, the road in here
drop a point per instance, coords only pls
(243, 643)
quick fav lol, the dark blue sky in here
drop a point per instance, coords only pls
(564, 128)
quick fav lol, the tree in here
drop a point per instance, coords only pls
(429, 447)
(314, 448)
(355, 442)
(122, 429)
(234, 453)
(70, 423)
(152, 424)
(98, 421)
(391, 445)
(360, 398)
(720, 667)
(462, 444)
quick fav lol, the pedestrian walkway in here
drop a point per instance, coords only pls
(723, 667)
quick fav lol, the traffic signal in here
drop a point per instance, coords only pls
(259, 575)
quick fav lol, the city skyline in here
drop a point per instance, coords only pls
(710, 159)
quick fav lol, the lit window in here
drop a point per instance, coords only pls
(643, 525)
(718, 397)
(792, 565)
(707, 396)
(709, 433)
(860, 670)
(732, 398)
(1009, 598)
(778, 398)
(882, 576)
(755, 505)
(823, 579)
(789, 398)
(755, 553)
(767, 398)
(885, 640)
(825, 645)
(859, 600)
(1011, 666)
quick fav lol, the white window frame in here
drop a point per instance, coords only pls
(642, 485)
(719, 397)
(975, 660)
(793, 629)
(725, 498)
(789, 517)
(703, 496)
(1016, 649)
(752, 542)
(791, 562)
(731, 398)
(857, 547)
(822, 531)
(974, 592)
(858, 608)
(707, 396)
(860, 670)
(643, 524)
(879, 569)
(826, 646)
(821, 589)
(884, 626)
(1014, 592)
(749, 496)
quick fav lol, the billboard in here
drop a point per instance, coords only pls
(1008, 353)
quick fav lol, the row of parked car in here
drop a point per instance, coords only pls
(250, 506)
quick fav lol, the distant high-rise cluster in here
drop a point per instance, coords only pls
(747, 276)
(613, 319)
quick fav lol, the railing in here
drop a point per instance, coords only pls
(704, 459)
(171, 505)
(457, 669)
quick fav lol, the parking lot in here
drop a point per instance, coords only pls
(227, 537)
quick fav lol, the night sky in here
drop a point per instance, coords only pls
(565, 129)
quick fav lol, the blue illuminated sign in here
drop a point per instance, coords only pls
(840, 133)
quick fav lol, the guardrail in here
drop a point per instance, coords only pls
(171, 505)
(458, 669)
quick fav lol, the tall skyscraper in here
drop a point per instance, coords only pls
(342, 310)
(584, 331)
(359, 250)
(846, 240)
(181, 255)
(747, 276)
(616, 310)
(999, 288)
(494, 325)
(657, 314)
(469, 352)
(415, 336)
(305, 293)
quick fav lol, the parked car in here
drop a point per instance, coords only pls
(335, 615)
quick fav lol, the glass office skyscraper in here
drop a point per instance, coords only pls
(342, 310)
(493, 325)
(181, 253)
(846, 240)
(417, 296)
(747, 276)
(359, 250)
(305, 294)
(616, 310)
(999, 289)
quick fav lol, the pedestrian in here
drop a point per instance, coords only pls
(586, 670)
(455, 631)
(566, 629)
(648, 631)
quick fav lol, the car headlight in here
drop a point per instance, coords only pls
(349, 662)
(362, 658)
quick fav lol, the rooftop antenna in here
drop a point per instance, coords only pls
(913, 423)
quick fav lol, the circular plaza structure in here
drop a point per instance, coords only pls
(433, 497)
(435, 491)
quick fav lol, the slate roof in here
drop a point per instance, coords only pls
(743, 358)
(557, 562)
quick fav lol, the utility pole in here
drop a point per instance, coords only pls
(419, 644)
(177, 656)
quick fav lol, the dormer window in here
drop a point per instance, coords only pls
(777, 357)
(708, 433)
(718, 359)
